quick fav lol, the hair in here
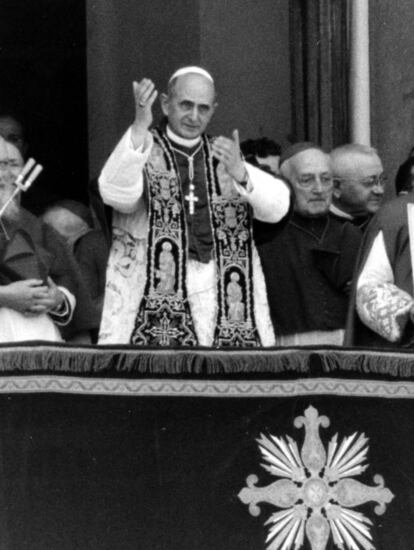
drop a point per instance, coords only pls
(171, 86)
(12, 144)
(403, 178)
(261, 147)
(15, 115)
(287, 167)
(344, 158)
(350, 150)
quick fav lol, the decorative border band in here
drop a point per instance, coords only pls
(206, 388)
(117, 362)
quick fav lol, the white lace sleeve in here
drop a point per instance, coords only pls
(269, 196)
(381, 305)
(121, 180)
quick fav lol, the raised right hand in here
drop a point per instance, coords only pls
(24, 296)
(144, 94)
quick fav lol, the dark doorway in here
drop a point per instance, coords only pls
(43, 80)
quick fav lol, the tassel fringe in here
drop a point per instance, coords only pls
(127, 361)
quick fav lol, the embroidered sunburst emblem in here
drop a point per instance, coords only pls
(316, 492)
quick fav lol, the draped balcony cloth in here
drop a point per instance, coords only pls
(104, 448)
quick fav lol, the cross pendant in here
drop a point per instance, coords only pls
(191, 199)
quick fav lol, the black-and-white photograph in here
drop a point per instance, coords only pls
(206, 274)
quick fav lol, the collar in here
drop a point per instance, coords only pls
(315, 226)
(340, 213)
(180, 140)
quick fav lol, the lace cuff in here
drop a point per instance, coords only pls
(385, 309)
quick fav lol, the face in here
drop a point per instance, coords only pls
(11, 163)
(271, 163)
(190, 105)
(311, 178)
(359, 189)
(12, 131)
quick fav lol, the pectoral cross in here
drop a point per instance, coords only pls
(191, 199)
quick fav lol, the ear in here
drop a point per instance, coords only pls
(337, 191)
(164, 103)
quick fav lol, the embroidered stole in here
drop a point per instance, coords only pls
(164, 316)
(410, 218)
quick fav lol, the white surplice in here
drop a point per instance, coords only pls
(121, 185)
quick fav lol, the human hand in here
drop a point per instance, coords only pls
(227, 151)
(53, 297)
(144, 96)
(24, 296)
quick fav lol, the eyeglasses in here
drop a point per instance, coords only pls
(4, 164)
(370, 182)
(308, 180)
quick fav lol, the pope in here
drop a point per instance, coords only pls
(175, 188)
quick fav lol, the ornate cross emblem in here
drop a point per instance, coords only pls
(164, 332)
(316, 491)
(191, 198)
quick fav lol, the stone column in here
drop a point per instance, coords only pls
(359, 73)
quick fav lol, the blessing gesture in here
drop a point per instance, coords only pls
(144, 95)
(227, 151)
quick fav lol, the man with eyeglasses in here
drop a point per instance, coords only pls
(359, 183)
(11, 129)
(38, 295)
(308, 260)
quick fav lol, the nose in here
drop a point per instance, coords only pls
(194, 113)
(317, 186)
(378, 188)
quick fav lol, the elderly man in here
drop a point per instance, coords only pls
(308, 260)
(11, 129)
(181, 226)
(37, 296)
(358, 183)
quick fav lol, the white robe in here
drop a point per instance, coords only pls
(121, 185)
(16, 327)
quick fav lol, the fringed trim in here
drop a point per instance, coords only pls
(258, 362)
(129, 362)
(111, 362)
(393, 364)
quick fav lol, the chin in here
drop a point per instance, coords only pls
(189, 133)
(12, 212)
(318, 211)
(373, 208)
